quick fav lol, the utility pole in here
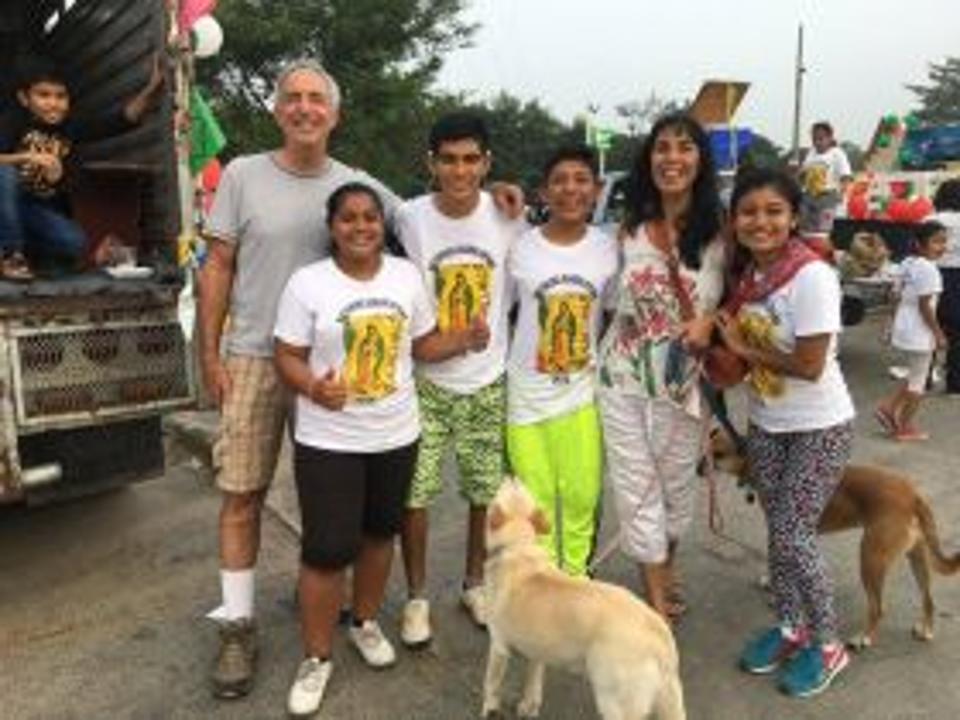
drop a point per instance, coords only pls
(798, 97)
(592, 110)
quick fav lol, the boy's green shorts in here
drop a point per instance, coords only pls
(473, 425)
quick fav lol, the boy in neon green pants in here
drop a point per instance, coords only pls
(561, 271)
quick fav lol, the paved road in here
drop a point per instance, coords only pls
(101, 606)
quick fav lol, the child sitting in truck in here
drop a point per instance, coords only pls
(36, 153)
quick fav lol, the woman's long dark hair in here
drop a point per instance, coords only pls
(645, 203)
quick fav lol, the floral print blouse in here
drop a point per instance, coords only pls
(633, 353)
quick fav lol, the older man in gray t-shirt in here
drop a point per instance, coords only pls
(268, 219)
(275, 219)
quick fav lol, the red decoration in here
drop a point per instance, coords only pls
(899, 210)
(191, 10)
(920, 208)
(210, 175)
(858, 207)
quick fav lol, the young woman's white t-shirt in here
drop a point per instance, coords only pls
(462, 262)
(919, 277)
(363, 329)
(809, 304)
(562, 289)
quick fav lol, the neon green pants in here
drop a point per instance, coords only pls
(560, 461)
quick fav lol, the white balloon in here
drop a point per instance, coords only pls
(207, 36)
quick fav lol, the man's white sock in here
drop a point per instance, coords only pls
(237, 587)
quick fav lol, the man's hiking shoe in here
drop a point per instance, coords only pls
(236, 661)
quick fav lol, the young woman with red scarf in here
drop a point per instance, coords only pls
(783, 319)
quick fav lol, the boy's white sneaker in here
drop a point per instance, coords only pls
(372, 645)
(306, 693)
(415, 625)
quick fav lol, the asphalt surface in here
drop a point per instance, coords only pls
(102, 603)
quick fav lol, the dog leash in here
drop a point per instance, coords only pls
(719, 410)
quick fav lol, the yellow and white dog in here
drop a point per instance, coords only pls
(550, 618)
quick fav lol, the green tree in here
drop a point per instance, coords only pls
(385, 57)
(939, 98)
(764, 152)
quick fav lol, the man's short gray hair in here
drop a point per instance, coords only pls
(310, 65)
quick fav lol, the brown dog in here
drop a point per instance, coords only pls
(895, 519)
(550, 618)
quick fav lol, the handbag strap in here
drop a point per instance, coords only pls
(657, 234)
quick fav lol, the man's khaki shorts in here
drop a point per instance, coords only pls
(252, 420)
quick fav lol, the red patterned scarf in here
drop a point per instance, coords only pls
(752, 288)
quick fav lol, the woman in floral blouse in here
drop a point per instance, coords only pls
(671, 281)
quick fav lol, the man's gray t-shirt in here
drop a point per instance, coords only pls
(277, 220)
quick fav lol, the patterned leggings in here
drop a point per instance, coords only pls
(795, 474)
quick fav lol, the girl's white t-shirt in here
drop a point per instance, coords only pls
(918, 277)
(562, 290)
(363, 329)
(809, 304)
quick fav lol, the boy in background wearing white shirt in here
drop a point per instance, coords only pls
(459, 242)
(561, 272)
(916, 332)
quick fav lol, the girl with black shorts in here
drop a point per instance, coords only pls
(348, 330)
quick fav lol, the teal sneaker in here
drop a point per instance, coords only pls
(811, 670)
(768, 650)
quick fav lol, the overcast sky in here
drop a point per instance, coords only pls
(569, 53)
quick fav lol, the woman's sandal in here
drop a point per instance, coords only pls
(886, 420)
(676, 603)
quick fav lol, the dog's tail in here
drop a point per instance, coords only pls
(928, 526)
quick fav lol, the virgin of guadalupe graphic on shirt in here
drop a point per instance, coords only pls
(462, 279)
(371, 342)
(563, 344)
(759, 331)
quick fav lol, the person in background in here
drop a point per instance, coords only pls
(916, 331)
(561, 271)
(348, 329)
(825, 174)
(946, 202)
(671, 281)
(783, 319)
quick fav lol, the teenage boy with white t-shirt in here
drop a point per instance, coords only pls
(562, 273)
(459, 242)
